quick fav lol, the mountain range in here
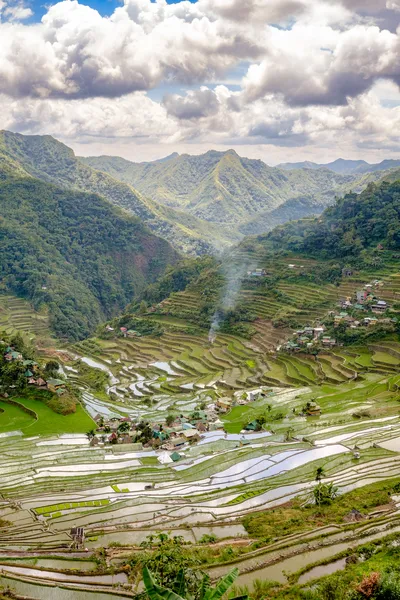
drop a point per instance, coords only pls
(200, 204)
(67, 246)
(49, 160)
(344, 167)
(238, 195)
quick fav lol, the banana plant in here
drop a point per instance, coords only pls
(157, 592)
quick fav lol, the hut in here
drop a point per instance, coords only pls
(312, 409)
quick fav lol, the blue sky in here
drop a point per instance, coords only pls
(105, 7)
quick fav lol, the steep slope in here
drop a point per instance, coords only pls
(73, 253)
(49, 160)
(353, 224)
(224, 188)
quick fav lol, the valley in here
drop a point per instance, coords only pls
(237, 196)
(230, 411)
(229, 485)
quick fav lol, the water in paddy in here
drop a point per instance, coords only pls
(66, 577)
(7, 434)
(53, 592)
(197, 461)
(52, 563)
(213, 436)
(135, 538)
(350, 435)
(94, 407)
(322, 570)
(163, 366)
(277, 571)
(221, 531)
(99, 365)
(393, 444)
(260, 468)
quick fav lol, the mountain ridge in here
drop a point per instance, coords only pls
(51, 161)
(344, 166)
(226, 189)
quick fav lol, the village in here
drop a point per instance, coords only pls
(178, 432)
(29, 372)
(363, 311)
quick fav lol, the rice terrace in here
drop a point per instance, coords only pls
(273, 448)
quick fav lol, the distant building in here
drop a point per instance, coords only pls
(312, 409)
(223, 403)
(257, 273)
(361, 296)
(380, 307)
(328, 341)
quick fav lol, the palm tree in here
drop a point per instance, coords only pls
(90, 434)
(157, 592)
(324, 493)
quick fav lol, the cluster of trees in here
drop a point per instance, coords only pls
(140, 325)
(14, 379)
(74, 253)
(12, 373)
(353, 224)
(172, 570)
(176, 279)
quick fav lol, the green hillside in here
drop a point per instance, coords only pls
(303, 262)
(353, 225)
(226, 189)
(51, 161)
(74, 253)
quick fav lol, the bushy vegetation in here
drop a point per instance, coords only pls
(176, 279)
(74, 253)
(95, 378)
(356, 223)
(299, 516)
(374, 574)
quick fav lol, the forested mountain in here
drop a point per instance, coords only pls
(49, 160)
(71, 252)
(345, 167)
(226, 189)
(354, 224)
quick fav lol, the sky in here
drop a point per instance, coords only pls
(278, 80)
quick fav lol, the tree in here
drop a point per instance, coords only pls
(142, 307)
(90, 434)
(52, 366)
(123, 427)
(144, 432)
(324, 493)
(261, 422)
(169, 420)
(204, 592)
(165, 557)
(288, 434)
(319, 473)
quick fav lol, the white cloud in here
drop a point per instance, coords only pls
(393, 4)
(14, 10)
(85, 77)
